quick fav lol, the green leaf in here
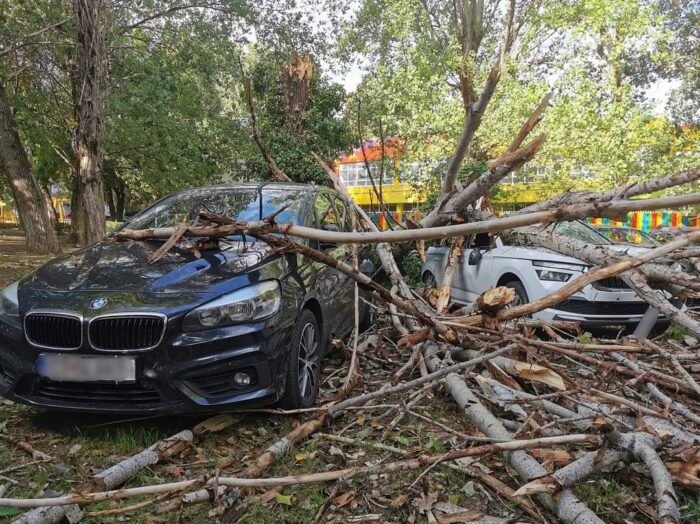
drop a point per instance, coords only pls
(400, 439)
(468, 489)
(283, 499)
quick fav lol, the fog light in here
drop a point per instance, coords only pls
(241, 379)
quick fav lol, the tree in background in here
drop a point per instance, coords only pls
(89, 88)
(31, 204)
(298, 111)
(598, 58)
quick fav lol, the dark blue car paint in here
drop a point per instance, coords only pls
(118, 273)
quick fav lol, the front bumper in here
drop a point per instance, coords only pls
(601, 313)
(186, 373)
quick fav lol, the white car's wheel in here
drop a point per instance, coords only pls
(520, 293)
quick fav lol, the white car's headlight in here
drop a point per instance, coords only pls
(9, 304)
(254, 302)
(553, 276)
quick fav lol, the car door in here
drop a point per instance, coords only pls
(333, 284)
(474, 273)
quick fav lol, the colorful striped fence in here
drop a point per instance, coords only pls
(648, 220)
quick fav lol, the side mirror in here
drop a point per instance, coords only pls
(474, 257)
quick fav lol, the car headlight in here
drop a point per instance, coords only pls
(559, 265)
(9, 304)
(554, 276)
(254, 302)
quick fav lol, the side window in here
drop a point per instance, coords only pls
(480, 240)
(343, 214)
(326, 214)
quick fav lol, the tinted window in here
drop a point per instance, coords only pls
(344, 215)
(328, 216)
(238, 204)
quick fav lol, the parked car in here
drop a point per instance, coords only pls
(102, 330)
(535, 272)
(666, 234)
(626, 235)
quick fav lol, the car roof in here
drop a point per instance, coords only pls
(292, 186)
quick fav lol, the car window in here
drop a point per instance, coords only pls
(328, 215)
(344, 214)
(481, 240)
(626, 235)
(238, 204)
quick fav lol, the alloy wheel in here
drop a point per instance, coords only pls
(308, 361)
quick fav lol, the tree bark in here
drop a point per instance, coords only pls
(27, 194)
(296, 77)
(89, 102)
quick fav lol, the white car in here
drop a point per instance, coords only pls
(535, 272)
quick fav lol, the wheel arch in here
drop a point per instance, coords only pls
(313, 305)
(509, 277)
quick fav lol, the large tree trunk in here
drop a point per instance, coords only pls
(296, 77)
(120, 192)
(89, 100)
(30, 201)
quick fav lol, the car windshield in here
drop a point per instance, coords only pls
(238, 204)
(627, 235)
(580, 231)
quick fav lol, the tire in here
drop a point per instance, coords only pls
(304, 364)
(520, 293)
(429, 279)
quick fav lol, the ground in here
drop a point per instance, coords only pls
(83, 445)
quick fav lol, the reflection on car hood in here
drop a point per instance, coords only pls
(541, 253)
(124, 266)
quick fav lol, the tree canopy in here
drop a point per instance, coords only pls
(176, 114)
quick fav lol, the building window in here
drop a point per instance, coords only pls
(355, 174)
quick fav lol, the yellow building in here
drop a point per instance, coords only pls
(401, 195)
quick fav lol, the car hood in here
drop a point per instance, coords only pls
(124, 266)
(541, 253)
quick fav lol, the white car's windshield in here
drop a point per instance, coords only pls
(580, 231)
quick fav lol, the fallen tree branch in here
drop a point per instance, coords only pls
(108, 479)
(611, 209)
(240, 482)
(567, 507)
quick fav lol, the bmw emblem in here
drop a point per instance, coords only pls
(98, 303)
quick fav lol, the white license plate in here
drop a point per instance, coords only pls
(86, 368)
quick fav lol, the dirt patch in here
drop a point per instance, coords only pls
(15, 262)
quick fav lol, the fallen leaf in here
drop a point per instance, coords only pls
(465, 516)
(468, 489)
(283, 499)
(214, 424)
(74, 449)
(269, 496)
(399, 501)
(200, 456)
(411, 339)
(425, 503)
(541, 374)
(344, 499)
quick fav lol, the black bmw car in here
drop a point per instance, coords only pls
(103, 330)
